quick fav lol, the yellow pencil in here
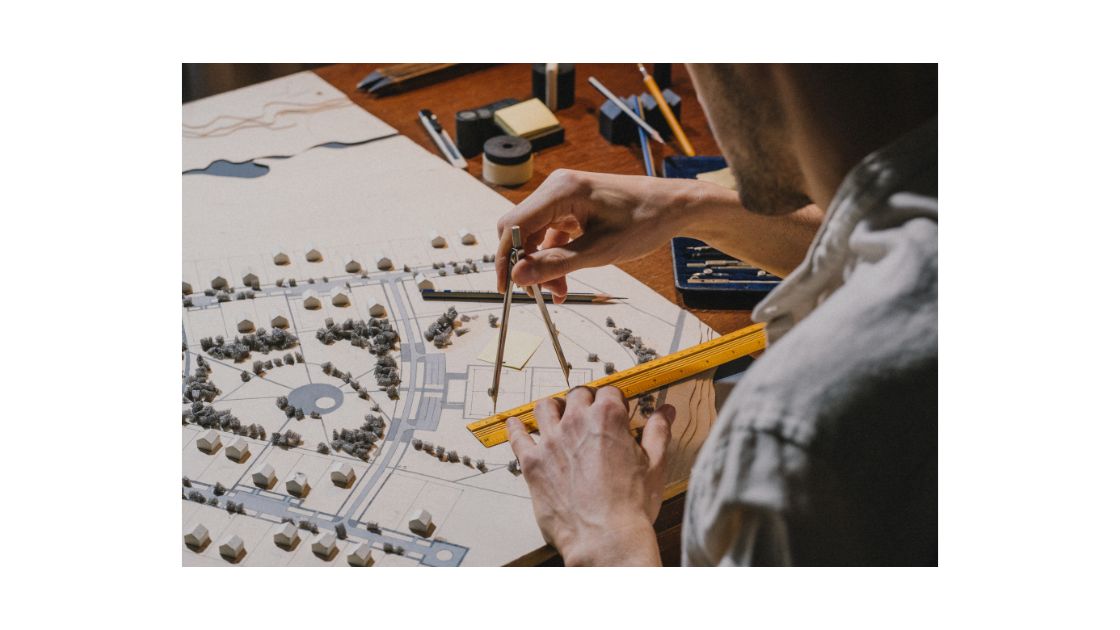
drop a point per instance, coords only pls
(651, 85)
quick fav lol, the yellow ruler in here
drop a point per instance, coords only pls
(641, 378)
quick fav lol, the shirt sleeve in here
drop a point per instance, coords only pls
(734, 515)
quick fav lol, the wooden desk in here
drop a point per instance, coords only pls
(583, 149)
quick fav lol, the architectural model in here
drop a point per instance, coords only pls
(324, 401)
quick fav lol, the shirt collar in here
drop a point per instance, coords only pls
(863, 190)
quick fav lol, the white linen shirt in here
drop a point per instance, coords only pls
(826, 451)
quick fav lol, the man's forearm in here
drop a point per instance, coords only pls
(715, 215)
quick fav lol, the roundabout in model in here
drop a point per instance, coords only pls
(319, 397)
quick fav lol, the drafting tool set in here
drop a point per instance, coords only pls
(640, 379)
(705, 276)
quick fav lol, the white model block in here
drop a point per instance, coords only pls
(209, 442)
(238, 450)
(358, 554)
(264, 476)
(245, 325)
(420, 522)
(313, 255)
(353, 265)
(285, 535)
(280, 258)
(324, 544)
(342, 474)
(376, 309)
(250, 279)
(424, 283)
(384, 263)
(339, 297)
(232, 547)
(437, 240)
(466, 237)
(310, 300)
(197, 536)
(297, 485)
(280, 321)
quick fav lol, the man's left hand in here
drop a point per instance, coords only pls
(595, 490)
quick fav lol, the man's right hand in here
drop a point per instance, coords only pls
(577, 219)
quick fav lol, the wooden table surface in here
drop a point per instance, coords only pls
(583, 149)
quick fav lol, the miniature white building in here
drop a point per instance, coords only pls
(280, 258)
(250, 279)
(467, 237)
(425, 283)
(376, 309)
(197, 536)
(384, 263)
(339, 297)
(297, 485)
(358, 554)
(187, 290)
(342, 474)
(238, 450)
(420, 522)
(245, 325)
(313, 255)
(437, 240)
(209, 442)
(219, 282)
(353, 265)
(324, 544)
(232, 547)
(280, 321)
(285, 535)
(264, 476)
(310, 300)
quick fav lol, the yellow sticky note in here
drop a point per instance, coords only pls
(527, 119)
(519, 348)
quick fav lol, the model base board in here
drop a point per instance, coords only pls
(368, 461)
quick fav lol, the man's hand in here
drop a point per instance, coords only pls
(595, 491)
(576, 220)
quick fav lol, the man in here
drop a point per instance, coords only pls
(826, 452)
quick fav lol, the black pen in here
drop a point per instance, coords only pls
(442, 139)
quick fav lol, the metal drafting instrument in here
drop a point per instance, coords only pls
(625, 109)
(451, 295)
(515, 254)
(667, 112)
(640, 379)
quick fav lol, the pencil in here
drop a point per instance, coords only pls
(651, 85)
(494, 296)
(647, 157)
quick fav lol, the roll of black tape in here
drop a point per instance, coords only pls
(565, 84)
(507, 161)
(470, 132)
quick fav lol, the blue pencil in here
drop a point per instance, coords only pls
(647, 155)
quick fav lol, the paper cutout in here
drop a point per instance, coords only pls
(273, 118)
(519, 348)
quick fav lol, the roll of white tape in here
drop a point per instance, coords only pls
(507, 161)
